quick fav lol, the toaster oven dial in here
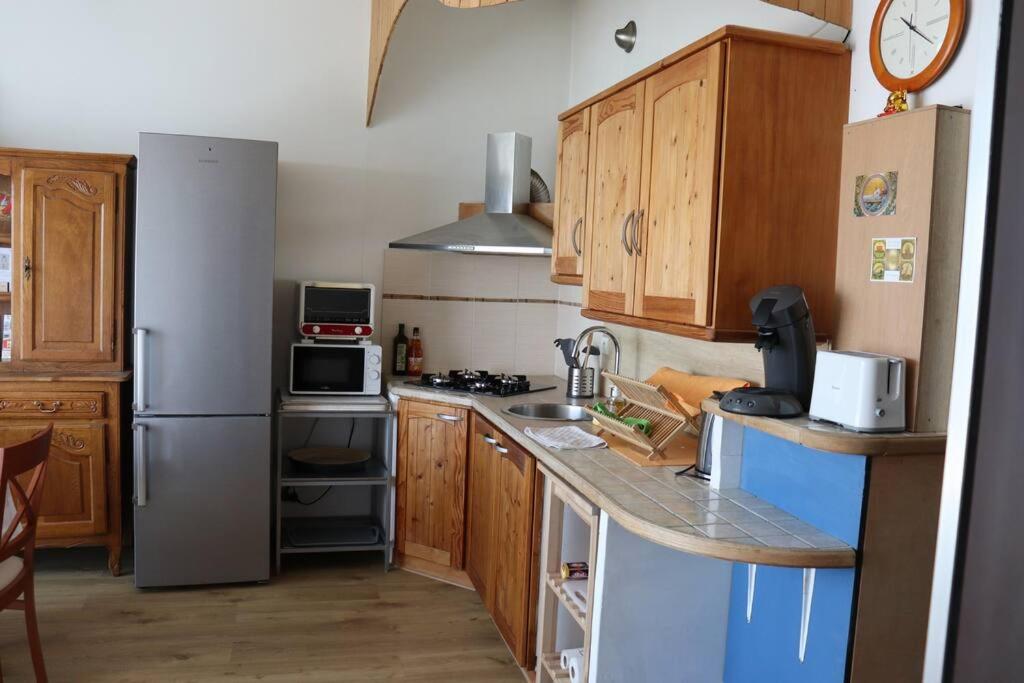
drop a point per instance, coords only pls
(374, 359)
(316, 329)
(358, 330)
(374, 374)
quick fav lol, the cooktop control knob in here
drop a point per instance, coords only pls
(358, 330)
(316, 329)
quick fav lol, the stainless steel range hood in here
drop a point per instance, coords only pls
(499, 230)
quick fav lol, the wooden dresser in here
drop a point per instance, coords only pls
(68, 229)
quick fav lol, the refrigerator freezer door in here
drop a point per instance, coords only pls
(204, 274)
(202, 500)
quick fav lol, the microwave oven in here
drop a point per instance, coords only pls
(336, 369)
(336, 310)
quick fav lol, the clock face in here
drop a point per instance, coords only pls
(912, 33)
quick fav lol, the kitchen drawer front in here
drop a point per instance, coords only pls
(74, 500)
(86, 405)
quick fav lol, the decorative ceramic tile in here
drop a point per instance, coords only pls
(535, 279)
(681, 506)
(758, 528)
(774, 514)
(796, 527)
(406, 272)
(721, 507)
(699, 517)
(494, 276)
(782, 541)
(820, 540)
(720, 531)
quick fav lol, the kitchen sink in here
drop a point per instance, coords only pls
(549, 411)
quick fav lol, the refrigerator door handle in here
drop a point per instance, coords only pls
(139, 404)
(141, 492)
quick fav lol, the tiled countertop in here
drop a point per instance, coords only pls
(678, 512)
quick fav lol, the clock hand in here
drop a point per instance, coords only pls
(915, 30)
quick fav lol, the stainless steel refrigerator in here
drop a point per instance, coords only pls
(204, 277)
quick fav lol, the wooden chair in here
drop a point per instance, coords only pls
(20, 513)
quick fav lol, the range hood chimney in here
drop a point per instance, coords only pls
(499, 230)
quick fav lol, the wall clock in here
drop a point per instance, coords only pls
(913, 41)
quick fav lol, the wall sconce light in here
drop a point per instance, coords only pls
(625, 37)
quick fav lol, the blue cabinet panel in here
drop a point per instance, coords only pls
(823, 489)
(767, 649)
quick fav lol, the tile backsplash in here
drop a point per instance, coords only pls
(502, 313)
(496, 313)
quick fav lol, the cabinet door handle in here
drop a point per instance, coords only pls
(55, 406)
(27, 268)
(575, 231)
(490, 439)
(501, 449)
(141, 489)
(636, 231)
(449, 418)
(625, 227)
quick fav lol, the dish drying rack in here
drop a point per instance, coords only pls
(649, 402)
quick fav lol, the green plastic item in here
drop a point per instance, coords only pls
(644, 425)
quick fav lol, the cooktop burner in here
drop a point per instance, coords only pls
(478, 382)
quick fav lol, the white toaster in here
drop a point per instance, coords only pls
(863, 392)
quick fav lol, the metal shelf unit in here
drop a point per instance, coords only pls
(377, 474)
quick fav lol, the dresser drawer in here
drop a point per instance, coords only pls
(66, 404)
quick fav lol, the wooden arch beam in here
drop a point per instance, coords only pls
(383, 17)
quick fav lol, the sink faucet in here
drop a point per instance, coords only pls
(615, 343)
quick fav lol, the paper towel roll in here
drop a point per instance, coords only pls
(566, 654)
(576, 667)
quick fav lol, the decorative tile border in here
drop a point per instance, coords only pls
(484, 299)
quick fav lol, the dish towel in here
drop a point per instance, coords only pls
(565, 438)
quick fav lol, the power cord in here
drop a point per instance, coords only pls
(327, 489)
(309, 436)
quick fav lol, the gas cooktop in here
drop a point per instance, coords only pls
(478, 382)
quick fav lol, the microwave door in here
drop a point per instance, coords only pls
(323, 369)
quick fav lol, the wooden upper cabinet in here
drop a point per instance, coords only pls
(710, 179)
(571, 199)
(613, 196)
(430, 506)
(678, 191)
(66, 265)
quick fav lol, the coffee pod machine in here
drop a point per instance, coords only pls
(785, 338)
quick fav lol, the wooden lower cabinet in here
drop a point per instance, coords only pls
(431, 484)
(468, 512)
(82, 492)
(502, 539)
(482, 473)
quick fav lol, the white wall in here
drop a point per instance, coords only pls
(663, 26)
(92, 75)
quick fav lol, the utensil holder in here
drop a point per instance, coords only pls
(580, 383)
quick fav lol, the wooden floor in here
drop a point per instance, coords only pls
(326, 618)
